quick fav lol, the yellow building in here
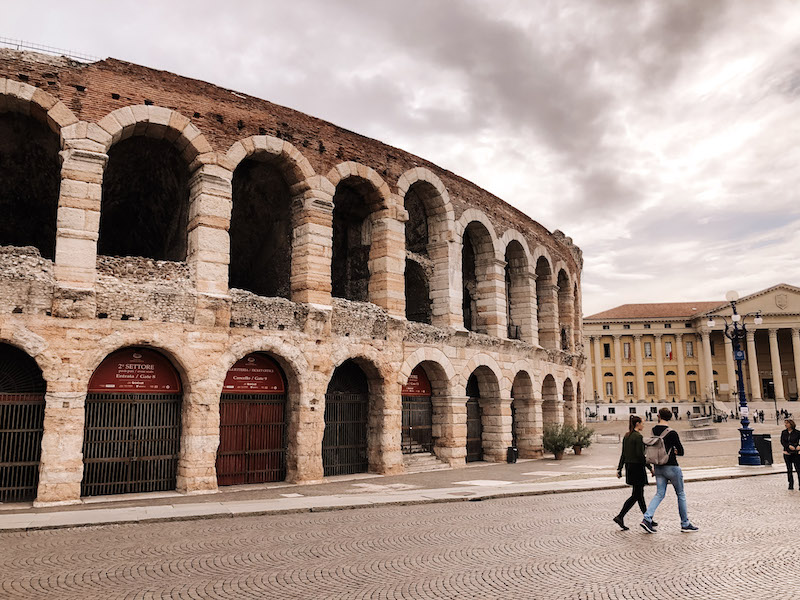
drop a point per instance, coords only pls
(647, 355)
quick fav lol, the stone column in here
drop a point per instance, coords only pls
(659, 352)
(387, 260)
(312, 242)
(547, 303)
(598, 368)
(384, 430)
(637, 351)
(492, 297)
(446, 284)
(306, 427)
(706, 369)
(77, 230)
(522, 300)
(496, 422)
(796, 352)
(681, 350)
(775, 359)
(730, 366)
(199, 438)
(566, 318)
(450, 429)
(588, 373)
(618, 379)
(529, 426)
(752, 361)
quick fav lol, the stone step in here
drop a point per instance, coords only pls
(423, 463)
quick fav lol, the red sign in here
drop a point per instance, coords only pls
(135, 370)
(418, 383)
(256, 374)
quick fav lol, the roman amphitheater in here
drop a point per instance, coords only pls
(201, 288)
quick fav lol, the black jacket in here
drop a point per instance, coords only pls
(632, 450)
(672, 441)
(790, 439)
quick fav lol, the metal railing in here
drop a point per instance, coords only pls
(23, 45)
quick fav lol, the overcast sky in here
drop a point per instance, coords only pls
(663, 136)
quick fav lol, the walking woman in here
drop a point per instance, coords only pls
(790, 440)
(635, 475)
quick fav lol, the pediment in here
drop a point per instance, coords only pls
(778, 299)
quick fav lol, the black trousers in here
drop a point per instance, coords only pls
(637, 495)
(792, 460)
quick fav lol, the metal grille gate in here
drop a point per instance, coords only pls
(416, 435)
(252, 439)
(474, 422)
(344, 443)
(131, 443)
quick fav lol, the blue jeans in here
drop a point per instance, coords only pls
(668, 474)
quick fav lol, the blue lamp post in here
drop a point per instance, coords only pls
(748, 455)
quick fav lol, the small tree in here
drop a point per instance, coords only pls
(556, 438)
(583, 438)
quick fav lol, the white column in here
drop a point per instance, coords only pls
(681, 368)
(619, 382)
(752, 361)
(705, 365)
(598, 367)
(796, 351)
(588, 375)
(659, 350)
(777, 372)
(731, 368)
(637, 349)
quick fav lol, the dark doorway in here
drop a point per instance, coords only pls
(22, 390)
(351, 242)
(474, 421)
(417, 428)
(252, 423)
(133, 425)
(418, 296)
(768, 389)
(344, 443)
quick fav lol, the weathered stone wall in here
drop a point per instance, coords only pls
(26, 281)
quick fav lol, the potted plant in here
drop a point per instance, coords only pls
(583, 438)
(556, 438)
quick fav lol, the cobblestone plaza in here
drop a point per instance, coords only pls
(560, 546)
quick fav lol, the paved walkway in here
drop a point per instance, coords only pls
(550, 547)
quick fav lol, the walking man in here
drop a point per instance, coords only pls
(669, 472)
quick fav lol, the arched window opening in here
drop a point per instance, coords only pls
(261, 230)
(470, 284)
(145, 201)
(577, 318)
(418, 296)
(565, 310)
(476, 251)
(518, 292)
(525, 423)
(352, 237)
(546, 307)
(552, 411)
(417, 224)
(344, 442)
(570, 407)
(474, 421)
(30, 173)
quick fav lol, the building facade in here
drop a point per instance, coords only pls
(201, 288)
(643, 356)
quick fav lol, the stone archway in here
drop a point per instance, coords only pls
(552, 408)
(527, 417)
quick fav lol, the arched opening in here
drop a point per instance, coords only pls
(577, 318)
(30, 172)
(488, 435)
(145, 201)
(418, 296)
(546, 307)
(132, 430)
(252, 422)
(580, 405)
(570, 412)
(552, 411)
(518, 293)
(526, 424)
(476, 252)
(474, 420)
(565, 311)
(417, 420)
(417, 224)
(352, 239)
(261, 229)
(22, 390)
(344, 442)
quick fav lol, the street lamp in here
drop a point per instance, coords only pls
(736, 331)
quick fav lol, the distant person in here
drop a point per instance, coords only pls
(790, 440)
(688, 415)
(633, 459)
(669, 472)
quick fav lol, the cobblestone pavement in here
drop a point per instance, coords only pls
(561, 546)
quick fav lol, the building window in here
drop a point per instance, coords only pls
(671, 388)
(609, 388)
(693, 387)
(687, 325)
(668, 350)
(606, 350)
(626, 326)
(632, 410)
(653, 409)
(651, 388)
(612, 410)
(626, 350)
(647, 325)
(648, 349)
(629, 388)
(667, 325)
(711, 343)
(689, 349)
(606, 326)
(716, 387)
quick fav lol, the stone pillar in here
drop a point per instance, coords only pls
(446, 284)
(566, 318)
(730, 366)
(492, 297)
(450, 429)
(528, 414)
(598, 367)
(496, 422)
(199, 439)
(588, 374)
(522, 301)
(61, 463)
(796, 352)
(306, 426)
(775, 359)
(77, 231)
(547, 305)
(658, 348)
(706, 371)
(384, 429)
(553, 410)
(752, 361)
(387, 260)
(681, 367)
(312, 242)
(637, 351)
(618, 379)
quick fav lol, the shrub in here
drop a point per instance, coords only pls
(583, 436)
(556, 438)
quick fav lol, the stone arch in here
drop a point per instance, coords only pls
(520, 292)
(495, 408)
(379, 195)
(580, 403)
(552, 406)
(546, 303)
(570, 403)
(577, 318)
(20, 97)
(36, 347)
(566, 308)
(270, 180)
(483, 293)
(526, 415)
(428, 355)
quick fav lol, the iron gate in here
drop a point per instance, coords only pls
(252, 438)
(417, 432)
(344, 443)
(474, 431)
(513, 422)
(131, 443)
